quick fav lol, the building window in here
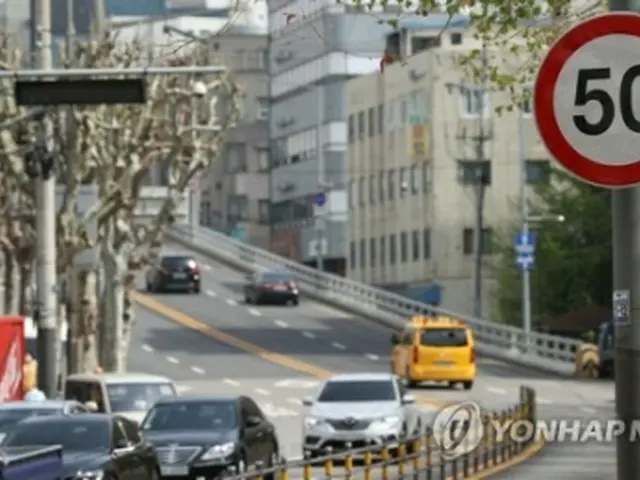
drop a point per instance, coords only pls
(263, 160)
(363, 253)
(392, 249)
(236, 208)
(415, 180)
(352, 128)
(372, 251)
(372, 189)
(372, 122)
(361, 125)
(404, 182)
(404, 247)
(420, 44)
(381, 186)
(426, 243)
(352, 255)
(391, 186)
(380, 119)
(263, 210)
(468, 241)
(526, 103)
(537, 171)
(383, 250)
(456, 38)
(361, 191)
(236, 157)
(472, 101)
(471, 172)
(415, 243)
(263, 109)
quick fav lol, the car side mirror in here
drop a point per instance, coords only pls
(408, 399)
(307, 401)
(91, 406)
(253, 421)
(395, 339)
(122, 445)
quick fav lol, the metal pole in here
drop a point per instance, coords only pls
(194, 200)
(46, 230)
(524, 212)
(625, 213)
(480, 193)
(322, 181)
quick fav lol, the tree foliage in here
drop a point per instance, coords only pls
(573, 258)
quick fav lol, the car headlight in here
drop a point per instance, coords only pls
(388, 421)
(90, 475)
(311, 422)
(219, 451)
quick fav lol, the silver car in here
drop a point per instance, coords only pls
(359, 409)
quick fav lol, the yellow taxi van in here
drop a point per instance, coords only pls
(436, 349)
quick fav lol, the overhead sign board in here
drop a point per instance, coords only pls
(584, 98)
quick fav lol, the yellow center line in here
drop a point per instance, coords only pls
(277, 358)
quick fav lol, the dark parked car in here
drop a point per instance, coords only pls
(14, 412)
(95, 445)
(272, 286)
(205, 436)
(174, 272)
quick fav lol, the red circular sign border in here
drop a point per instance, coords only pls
(558, 55)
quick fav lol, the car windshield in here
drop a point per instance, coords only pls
(276, 277)
(444, 337)
(72, 434)
(191, 415)
(137, 397)
(174, 262)
(358, 391)
(8, 417)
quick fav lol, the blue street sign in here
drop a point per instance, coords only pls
(320, 199)
(525, 246)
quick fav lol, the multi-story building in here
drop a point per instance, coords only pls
(415, 170)
(316, 47)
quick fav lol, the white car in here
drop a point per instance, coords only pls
(358, 410)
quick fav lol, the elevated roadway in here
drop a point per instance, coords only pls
(280, 354)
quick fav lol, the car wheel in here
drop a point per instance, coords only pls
(295, 302)
(196, 289)
(149, 287)
(247, 299)
(467, 385)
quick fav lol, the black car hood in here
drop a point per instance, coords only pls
(193, 437)
(74, 462)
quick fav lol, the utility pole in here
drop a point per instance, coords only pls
(625, 210)
(45, 180)
(480, 184)
(524, 214)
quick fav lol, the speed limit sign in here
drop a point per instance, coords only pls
(587, 100)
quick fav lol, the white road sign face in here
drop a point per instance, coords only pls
(591, 95)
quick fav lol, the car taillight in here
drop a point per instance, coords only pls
(416, 354)
(292, 285)
(473, 355)
(195, 270)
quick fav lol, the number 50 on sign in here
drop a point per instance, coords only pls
(587, 100)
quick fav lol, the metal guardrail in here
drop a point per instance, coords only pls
(418, 457)
(536, 350)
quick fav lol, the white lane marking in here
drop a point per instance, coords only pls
(233, 383)
(206, 267)
(309, 334)
(173, 360)
(372, 357)
(197, 370)
(543, 401)
(271, 410)
(280, 323)
(211, 293)
(147, 348)
(339, 346)
(231, 301)
(255, 312)
(295, 383)
(497, 391)
(588, 410)
(262, 391)
(295, 401)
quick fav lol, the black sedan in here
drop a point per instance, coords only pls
(94, 445)
(207, 436)
(174, 272)
(277, 286)
(14, 412)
